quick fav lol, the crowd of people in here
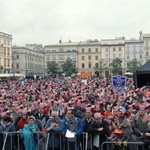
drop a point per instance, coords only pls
(90, 106)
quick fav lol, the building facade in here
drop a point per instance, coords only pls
(28, 61)
(5, 52)
(133, 50)
(112, 49)
(146, 45)
(60, 52)
(89, 54)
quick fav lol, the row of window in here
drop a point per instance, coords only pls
(34, 58)
(134, 56)
(33, 66)
(97, 57)
(5, 51)
(5, 42)
(61, 57)
(89, 65)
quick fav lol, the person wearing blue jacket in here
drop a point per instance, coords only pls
(29, 134)
(54, 127)
(74, 125)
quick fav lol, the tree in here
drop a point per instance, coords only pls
(133, 65)
(69, 67)
(100, 67)
(53, 67)
(116, 66)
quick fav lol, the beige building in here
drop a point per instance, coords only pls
(146, 45)
(28, 60)
(60, 52)
(111, 49)
(5, 52)
(89, 54)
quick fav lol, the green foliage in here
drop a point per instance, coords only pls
(69, 67)
(133, 65)
(101, 66)
(116, 66)
(53, 67)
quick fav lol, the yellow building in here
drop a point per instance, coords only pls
(5, 52)
(89, 54)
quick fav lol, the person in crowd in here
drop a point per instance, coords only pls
(6, 125)
(78, 110)
(75, 126)
(120, 142)
(87, 121)
(140, 122)
(108, 111)
(128, 133)
(23, 120)
(100, 129)
(30, 134)
(41, 116)
(54, 127)
(146, 136)
(20, 125)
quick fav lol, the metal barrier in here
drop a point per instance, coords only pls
(52, 140)
(14, 141)
(132, 143)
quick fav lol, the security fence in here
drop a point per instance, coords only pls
(54, 140)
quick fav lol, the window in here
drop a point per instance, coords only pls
(17, 65)
(146, 44)
(89, 57)
(8, 42)
(61, 57)
(119, 55)
(4, 50)
(17, 57)
(82, 57)
(96, 57)
(89, 50)
(128, 57)
(48, 57)
(96, 65)
(83, 65)
(8, 51)
(106, 49)
(82, 50)
(89, 65)
(140, 55)
(114, 49)
(114, 55)
(54, 57)
(4, 42)
(119, 49)
(96, 50)
(26, 65)
(106, 55)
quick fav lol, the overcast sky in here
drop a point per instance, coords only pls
(47, 21)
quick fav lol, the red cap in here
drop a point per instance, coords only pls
(147, 119)
(119, 132)
(142, 107)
